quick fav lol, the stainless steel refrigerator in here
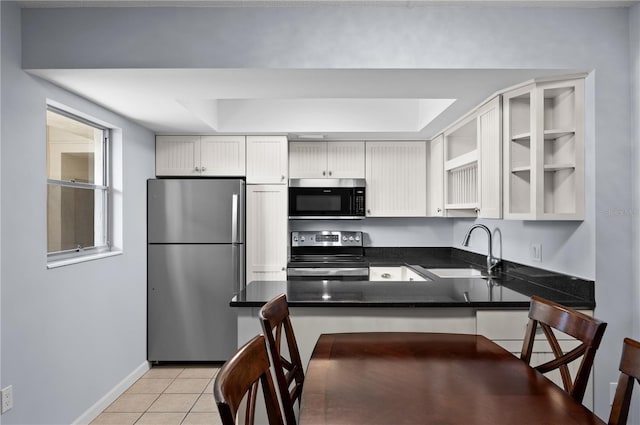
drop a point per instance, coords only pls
(196, 252)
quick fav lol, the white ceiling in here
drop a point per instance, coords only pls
(329, 103)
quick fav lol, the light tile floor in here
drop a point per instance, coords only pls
(175, 395)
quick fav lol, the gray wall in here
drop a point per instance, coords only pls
(590, 39)
(634, 37)
(71, 334)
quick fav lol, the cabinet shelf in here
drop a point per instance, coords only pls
(543, 128)
(522, 137)
(557, 133)
(558, 167)
(462, 160)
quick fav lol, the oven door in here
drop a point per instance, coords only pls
(328, 273)
(326, 203)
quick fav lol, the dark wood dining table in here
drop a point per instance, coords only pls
(391, 378)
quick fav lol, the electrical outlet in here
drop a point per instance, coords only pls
(536, 252)
(612, 391)
(7, 398)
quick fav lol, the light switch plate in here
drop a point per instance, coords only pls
(7, 398)
(612, 391)
(536, 252)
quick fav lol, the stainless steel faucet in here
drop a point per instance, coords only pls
(492, 262)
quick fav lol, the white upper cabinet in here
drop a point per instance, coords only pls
(544, 151)
(200, 156)
(177, 155)
(326, 160)
(435, 167)
(490, 162)
(222, 155)
(472, 164)
(267, 161)
(396, 176)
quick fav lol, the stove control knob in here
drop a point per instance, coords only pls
(344, 238)
(301, 238)
(357, 238)
(295, 239)
(351, 238)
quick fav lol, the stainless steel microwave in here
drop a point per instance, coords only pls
(326, 198)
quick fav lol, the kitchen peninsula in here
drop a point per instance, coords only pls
(496, 306)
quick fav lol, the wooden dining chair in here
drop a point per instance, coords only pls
(274, 317)
(629, 372)
(239, 377)
(588, 330)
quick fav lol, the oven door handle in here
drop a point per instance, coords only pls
(325, 271)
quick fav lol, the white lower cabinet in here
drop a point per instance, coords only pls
(507, 329)
(266, 239)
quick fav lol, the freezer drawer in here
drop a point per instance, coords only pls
(189, 290)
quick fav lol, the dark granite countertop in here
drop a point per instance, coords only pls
(511, 287)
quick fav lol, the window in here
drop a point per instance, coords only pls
(77, 186)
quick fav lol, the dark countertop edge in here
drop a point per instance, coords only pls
(501, 305)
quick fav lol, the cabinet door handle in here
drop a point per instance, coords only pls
(385, 276)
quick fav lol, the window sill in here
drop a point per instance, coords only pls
(82, 259)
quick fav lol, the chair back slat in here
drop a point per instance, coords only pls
(629, 372)
(275, 323)
(238, 380)
(588, 330)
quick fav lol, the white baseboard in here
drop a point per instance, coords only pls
(112, 395)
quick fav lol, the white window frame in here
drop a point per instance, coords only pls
(103, 219)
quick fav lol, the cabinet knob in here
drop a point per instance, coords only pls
(203, 169)
(439, 210)
(324, 173)
(477, 210)
(368, 211)
(197, 168)
(282, 177)
(284, 268)
(330, 173)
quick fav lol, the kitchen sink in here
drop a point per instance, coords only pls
(465, 272)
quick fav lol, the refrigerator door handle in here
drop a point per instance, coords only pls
(234, 218)
(238, 268)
